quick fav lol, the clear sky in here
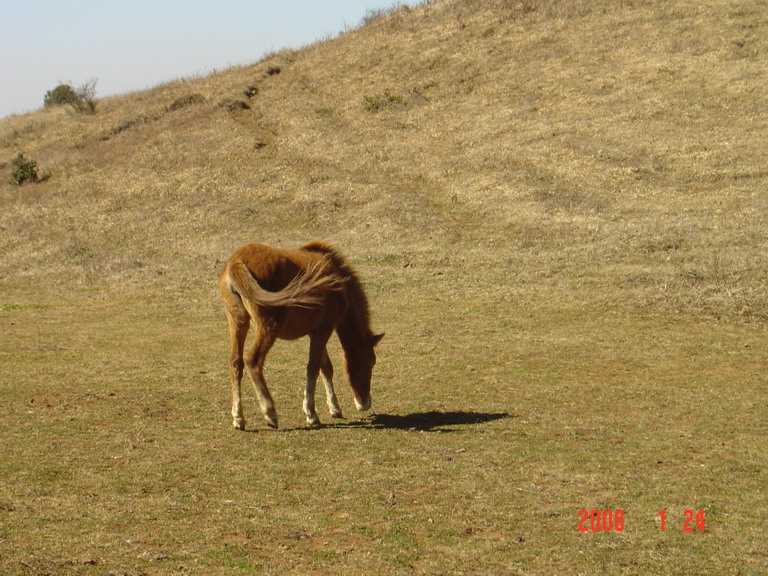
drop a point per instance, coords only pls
(128, 45)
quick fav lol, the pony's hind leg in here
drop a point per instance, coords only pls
(326, 368)
(254, 360)
(238, 330)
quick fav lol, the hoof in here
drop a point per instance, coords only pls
(238, 424)
(270, 415)
(336, 414)
(363, 406)
(313, 421)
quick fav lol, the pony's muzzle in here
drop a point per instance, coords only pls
(363, 406)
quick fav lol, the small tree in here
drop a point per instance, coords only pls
(80, 100)
(62, 94)
(24, 170)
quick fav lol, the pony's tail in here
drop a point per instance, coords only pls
(306, 290)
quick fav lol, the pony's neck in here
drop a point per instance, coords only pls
(353, 329)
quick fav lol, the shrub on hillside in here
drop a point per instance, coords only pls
(383, 100)
(184, 101)
(25, 170)
(80, 100)
(62, 94)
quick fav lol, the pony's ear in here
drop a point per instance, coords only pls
(375, 339)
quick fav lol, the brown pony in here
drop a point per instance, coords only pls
(289, 294)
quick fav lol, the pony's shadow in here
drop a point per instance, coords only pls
(433, 421)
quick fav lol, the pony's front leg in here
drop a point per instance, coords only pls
(309, 401)
(317, 356)
(326, 367)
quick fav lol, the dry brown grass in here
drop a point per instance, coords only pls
(559, 211)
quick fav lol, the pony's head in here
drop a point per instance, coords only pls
(357, 371)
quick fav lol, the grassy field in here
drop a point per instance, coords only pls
(559, 213)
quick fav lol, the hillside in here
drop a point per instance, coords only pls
(558, 209)
(619, 145)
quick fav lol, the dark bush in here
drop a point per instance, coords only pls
(62, 94)
(185, 101)
(25, 170)
(80, 100)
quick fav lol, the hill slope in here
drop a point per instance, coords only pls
(624, 145)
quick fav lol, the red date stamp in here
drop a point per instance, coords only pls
(613, 521)
(601, 520)
(692, 521)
